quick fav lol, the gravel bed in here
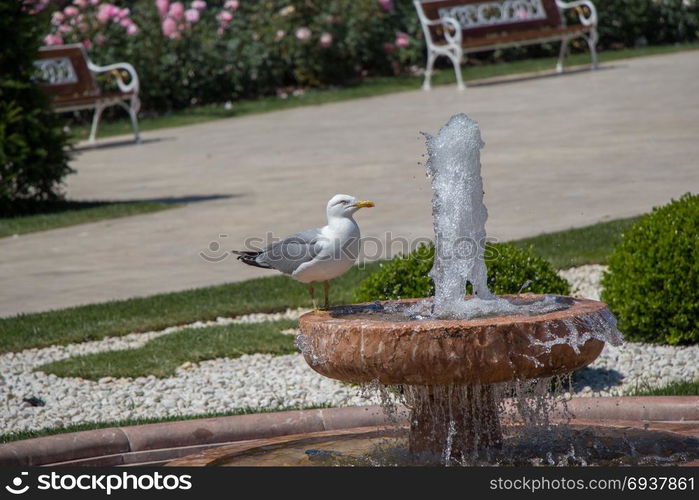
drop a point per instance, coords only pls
(623, 369)
(264, 381)
(214, 386)
(584, 280)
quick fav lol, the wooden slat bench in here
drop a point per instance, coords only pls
(68, 76)
(453, 28)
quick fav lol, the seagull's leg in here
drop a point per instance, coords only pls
(311, 291)
(326, 293)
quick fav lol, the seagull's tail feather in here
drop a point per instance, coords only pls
(250, 258)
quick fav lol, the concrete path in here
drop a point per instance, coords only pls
(560, 152)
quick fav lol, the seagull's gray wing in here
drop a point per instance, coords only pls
(287, 255)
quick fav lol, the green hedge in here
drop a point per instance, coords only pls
(508, 269)
(33, 160)
(652, 284)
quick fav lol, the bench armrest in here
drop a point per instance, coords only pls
(447, 22)
(586, 19)
(131, 86)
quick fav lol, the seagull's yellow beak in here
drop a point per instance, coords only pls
(364, 204)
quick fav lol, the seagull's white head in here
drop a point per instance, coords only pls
(343, 205)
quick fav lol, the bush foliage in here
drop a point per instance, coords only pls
(33, 160)
(652, 284)
(509, 268)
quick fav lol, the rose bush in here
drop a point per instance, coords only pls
(202, 51)
(196, 52)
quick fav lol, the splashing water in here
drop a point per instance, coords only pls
(458, 213)
(459, 217)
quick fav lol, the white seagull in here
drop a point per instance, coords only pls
(318, 254)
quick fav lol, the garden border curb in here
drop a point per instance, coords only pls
(158, 443)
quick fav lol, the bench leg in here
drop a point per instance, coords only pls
(456, 61)
(562, 55)
(132, 109)
(133, 114)
(427, 83)
(95, 124)
(592, 43)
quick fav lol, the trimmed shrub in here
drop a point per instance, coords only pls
(652, 284)
(508, 269)
(33, 160)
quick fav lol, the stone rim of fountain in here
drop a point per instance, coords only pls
(449, 351)
(448, 369)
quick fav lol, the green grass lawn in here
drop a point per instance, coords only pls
(680, 388)
(369, 88)
(161, 356)
(580, 246)
(58, 214)
(96, 321)
(590, 244)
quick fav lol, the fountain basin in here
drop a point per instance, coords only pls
(360, 344)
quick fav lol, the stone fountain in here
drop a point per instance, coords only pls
(459, 365)
(449, 355)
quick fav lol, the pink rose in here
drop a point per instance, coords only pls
(169, 27)
(64, 28)
(94, 2)
(132, 29)
(114, 11)
(386, 5)
(53, 39)
(87, 44)
(163, 6)
(176, 11)
(191, 15)
(224, 16)
(303, 34)
(103, 14)
(402, 40)
(326, 40)
(126, 22)
(123, 13)
(231, 4)
(57, 18)
(80, 3)
(199, 4)
(71, 11)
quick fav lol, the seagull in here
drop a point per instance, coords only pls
(318, 254)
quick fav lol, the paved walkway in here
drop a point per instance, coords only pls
(560, 152)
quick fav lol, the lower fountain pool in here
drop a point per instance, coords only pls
(573, 445)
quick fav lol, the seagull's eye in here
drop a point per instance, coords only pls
(344, 202)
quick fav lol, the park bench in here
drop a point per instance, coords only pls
(453, 28)
(68, 76)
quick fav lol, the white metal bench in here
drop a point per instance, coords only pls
(68, 76)
(453, 28)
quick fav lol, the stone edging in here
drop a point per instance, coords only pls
(155, 444)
